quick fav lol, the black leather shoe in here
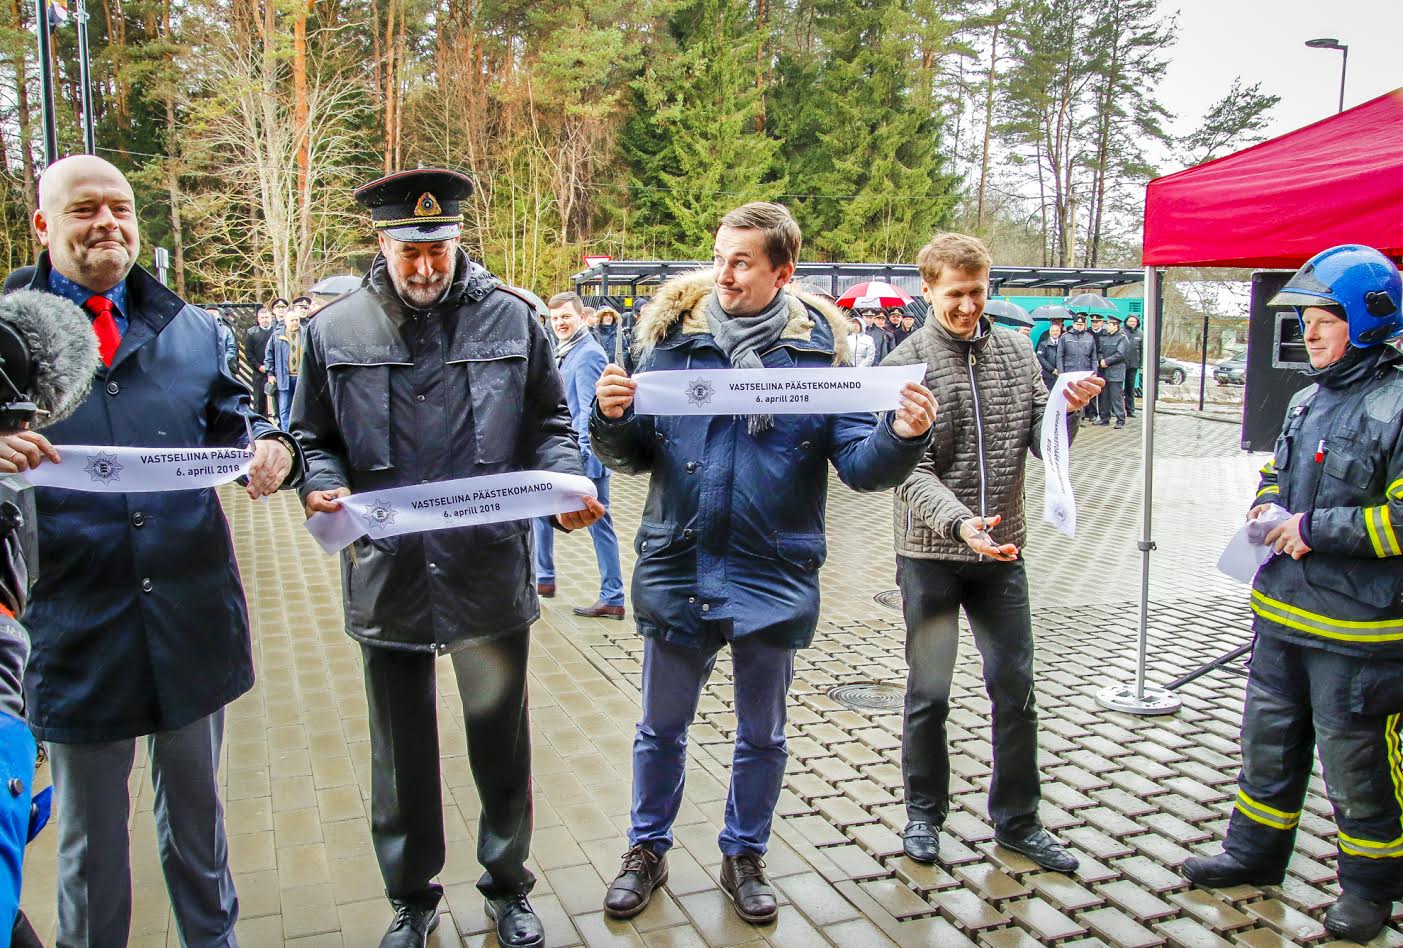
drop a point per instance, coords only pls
(1222, 871)
(743, 880)
(921, 842)
(517, 924)
(642, 871)
(1357, 919)
(411, 926)
(1040, 847)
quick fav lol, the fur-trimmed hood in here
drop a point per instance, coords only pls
(681, 300)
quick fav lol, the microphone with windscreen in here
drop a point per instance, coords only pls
(48, 356)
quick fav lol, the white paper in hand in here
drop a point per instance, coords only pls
(1248, 550)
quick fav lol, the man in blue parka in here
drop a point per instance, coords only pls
(137, 620)
(733, 534)
(1327, 668)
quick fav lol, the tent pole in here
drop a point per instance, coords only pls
(1138, 698)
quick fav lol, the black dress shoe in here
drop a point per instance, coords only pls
(411, 926)
(545, 590)
(599, 610)
(517, 924)
(743, 880)
(1040, 847)
(921, 842)
(1357, 919)
(1222, 871)
(642, 871)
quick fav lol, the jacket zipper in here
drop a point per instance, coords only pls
(979, 435)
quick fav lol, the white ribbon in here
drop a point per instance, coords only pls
(1059, 506)
(464, 502)
(772, 391)
(121, 470)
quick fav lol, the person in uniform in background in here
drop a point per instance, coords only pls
(1136, 338)
(431, 371)
(1327, 669)
(1047, 353)
(1115, 356)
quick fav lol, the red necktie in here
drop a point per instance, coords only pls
(105, 326)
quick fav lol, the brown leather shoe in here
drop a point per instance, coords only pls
(545, 590)
(642, 871)
(599, 611)
(743, 880)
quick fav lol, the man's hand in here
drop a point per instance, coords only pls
(1258, 510)
(578, 519)
(24, 451)
(1286, 538)
(917, 411)
(614, 392)
(1080, 394)
(324, 501)
(975, 533)
(272, 459)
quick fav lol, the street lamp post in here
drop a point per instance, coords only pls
(1330, 43)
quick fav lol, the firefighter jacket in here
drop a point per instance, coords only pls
(1339, 460)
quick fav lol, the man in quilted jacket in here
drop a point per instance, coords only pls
(959, 530)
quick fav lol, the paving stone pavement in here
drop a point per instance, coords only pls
(1134, 796)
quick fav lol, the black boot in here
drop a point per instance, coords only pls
(517, 924)
(1357, 919)
(743, 880)
(642, 871)
(921, 842)
(1222, 870)
(412, 925)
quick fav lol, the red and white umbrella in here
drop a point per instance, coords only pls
(874, 295)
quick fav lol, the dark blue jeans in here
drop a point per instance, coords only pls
(673, 678)
(995, 598)
(1300, 699)
(606, 550)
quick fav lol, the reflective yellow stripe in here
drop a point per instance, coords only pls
(1267, 816)
(1393, 737)
(1370, 514)
(1269, 489)
(1381, 630)
(1395, 490)
(1393, 849)
(1270, 466)
(1386, 531)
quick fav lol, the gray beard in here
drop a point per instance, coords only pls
(419, 296)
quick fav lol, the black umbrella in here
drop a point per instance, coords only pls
(1008, 314)
(1091, 303)
(336, 285)
(1051, 312)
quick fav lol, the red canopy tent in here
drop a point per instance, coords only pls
(1339, 181)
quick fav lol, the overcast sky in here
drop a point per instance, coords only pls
(1264, 42)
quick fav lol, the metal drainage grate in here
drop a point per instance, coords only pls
(891, 598)
(869, 696)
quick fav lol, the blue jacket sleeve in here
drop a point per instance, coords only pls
(867, 452)
(584, 378)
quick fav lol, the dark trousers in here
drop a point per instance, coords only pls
(995, 598)
(1111, 401)
(1299, 699)
(1129, 392)
(406, 822)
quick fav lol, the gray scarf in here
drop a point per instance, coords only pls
(742, 338)
(574, 339)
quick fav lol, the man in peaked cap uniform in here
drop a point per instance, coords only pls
(434, 370)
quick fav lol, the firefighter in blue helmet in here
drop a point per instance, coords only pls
(1327, 671)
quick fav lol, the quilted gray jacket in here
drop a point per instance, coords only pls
(992, 399)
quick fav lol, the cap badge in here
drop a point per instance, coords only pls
(427, 206)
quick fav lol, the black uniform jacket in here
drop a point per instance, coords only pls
(391, 396)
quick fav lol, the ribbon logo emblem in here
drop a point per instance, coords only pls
(103, 468)
(699, 392)
(379, 515)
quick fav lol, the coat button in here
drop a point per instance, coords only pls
(147, 585)
(138, 519)
(706, 607)
(688, 534)
(113, 388)
(691, 598)
(643, 547)
(809, 564)
(418, 398)
(658, 435)
(433, 567)
(806, 445)
(692, 467)
(16, 786)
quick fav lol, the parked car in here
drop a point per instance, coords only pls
(1171, 372)
(1232, 370)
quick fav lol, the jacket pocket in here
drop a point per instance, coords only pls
(808, 551)
(360, 397)
(653, 538)
(497, 389)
